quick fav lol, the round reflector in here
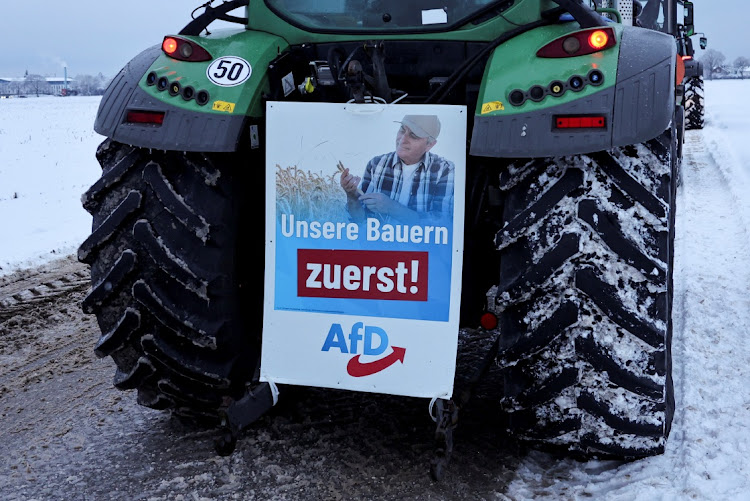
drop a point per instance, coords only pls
(186, 50)
(169, 45)
(571, 45)
(598, 39)
(488, 321)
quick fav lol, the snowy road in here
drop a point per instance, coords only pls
(712, 351)
(65, 433)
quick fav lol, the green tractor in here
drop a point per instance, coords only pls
(653, 16)
(693, 82)
(571, 160)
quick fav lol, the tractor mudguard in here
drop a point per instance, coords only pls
(214, 125)
(636, 105)
(120, 91)
(693, 68)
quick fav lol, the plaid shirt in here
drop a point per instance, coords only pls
(431, 187)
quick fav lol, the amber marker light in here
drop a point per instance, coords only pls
(598, 39)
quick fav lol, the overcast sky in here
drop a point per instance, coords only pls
(92, 36)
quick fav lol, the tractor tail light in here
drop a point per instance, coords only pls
(580, 43)
(580, 122)
(145, 117)
(488, 321)
(169, 46)
(598, 39)
(184, 50)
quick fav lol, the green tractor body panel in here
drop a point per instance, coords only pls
(627, 93)
(256, 48)
(212, 117)
(515, 66)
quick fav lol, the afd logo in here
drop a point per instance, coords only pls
(372, 340)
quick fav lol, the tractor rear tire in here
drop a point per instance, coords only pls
(694, 105)
(584, 300)
(168, 279)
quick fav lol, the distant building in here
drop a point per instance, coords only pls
(15, 85)
(10, 85)
(58, 84)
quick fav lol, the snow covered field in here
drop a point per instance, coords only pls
(47, 161)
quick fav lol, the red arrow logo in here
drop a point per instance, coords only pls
(357, 369)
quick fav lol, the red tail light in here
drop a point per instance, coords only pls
(184, 50)
(580, 43)
(169, 45)
(579, 122)
(145, 117)
(488, 321)
(598, 39)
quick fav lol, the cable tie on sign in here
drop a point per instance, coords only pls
(371, 106)
(399, 99)
(431, 407)
(274, 391)
(371, 100)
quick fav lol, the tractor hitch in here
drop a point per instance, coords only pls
(242, 413)
(447, 420)
(445, 412)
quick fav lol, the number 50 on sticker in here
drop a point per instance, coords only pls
(229, 71)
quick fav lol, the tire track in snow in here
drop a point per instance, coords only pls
(712, 320)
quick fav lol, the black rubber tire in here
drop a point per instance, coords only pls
(167, 278)
(694, 103)
(584, 300)
(680, 140)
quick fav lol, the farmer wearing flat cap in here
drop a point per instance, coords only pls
(410, 184)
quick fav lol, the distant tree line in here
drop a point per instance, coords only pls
(37, 85)
(90, 85)
(715, 65)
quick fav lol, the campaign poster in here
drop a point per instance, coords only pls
(364, 245)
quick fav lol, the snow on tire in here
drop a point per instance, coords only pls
(167, 279)
(694, 103)
(584, 300)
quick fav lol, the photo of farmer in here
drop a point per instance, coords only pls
(410, 184)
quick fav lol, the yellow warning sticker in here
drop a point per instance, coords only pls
(492, 106)
(224, 106)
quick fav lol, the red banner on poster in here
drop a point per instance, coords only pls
(362, 274)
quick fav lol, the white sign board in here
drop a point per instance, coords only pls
(363, 279)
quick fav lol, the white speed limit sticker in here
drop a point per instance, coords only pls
(229, 71)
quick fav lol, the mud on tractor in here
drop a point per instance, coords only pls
(573, 133)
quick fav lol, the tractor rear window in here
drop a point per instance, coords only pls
(380, 15)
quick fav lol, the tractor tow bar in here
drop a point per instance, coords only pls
(445, 412)
(447, 420)
(242, 413)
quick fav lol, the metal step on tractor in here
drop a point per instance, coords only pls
(565, 123)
